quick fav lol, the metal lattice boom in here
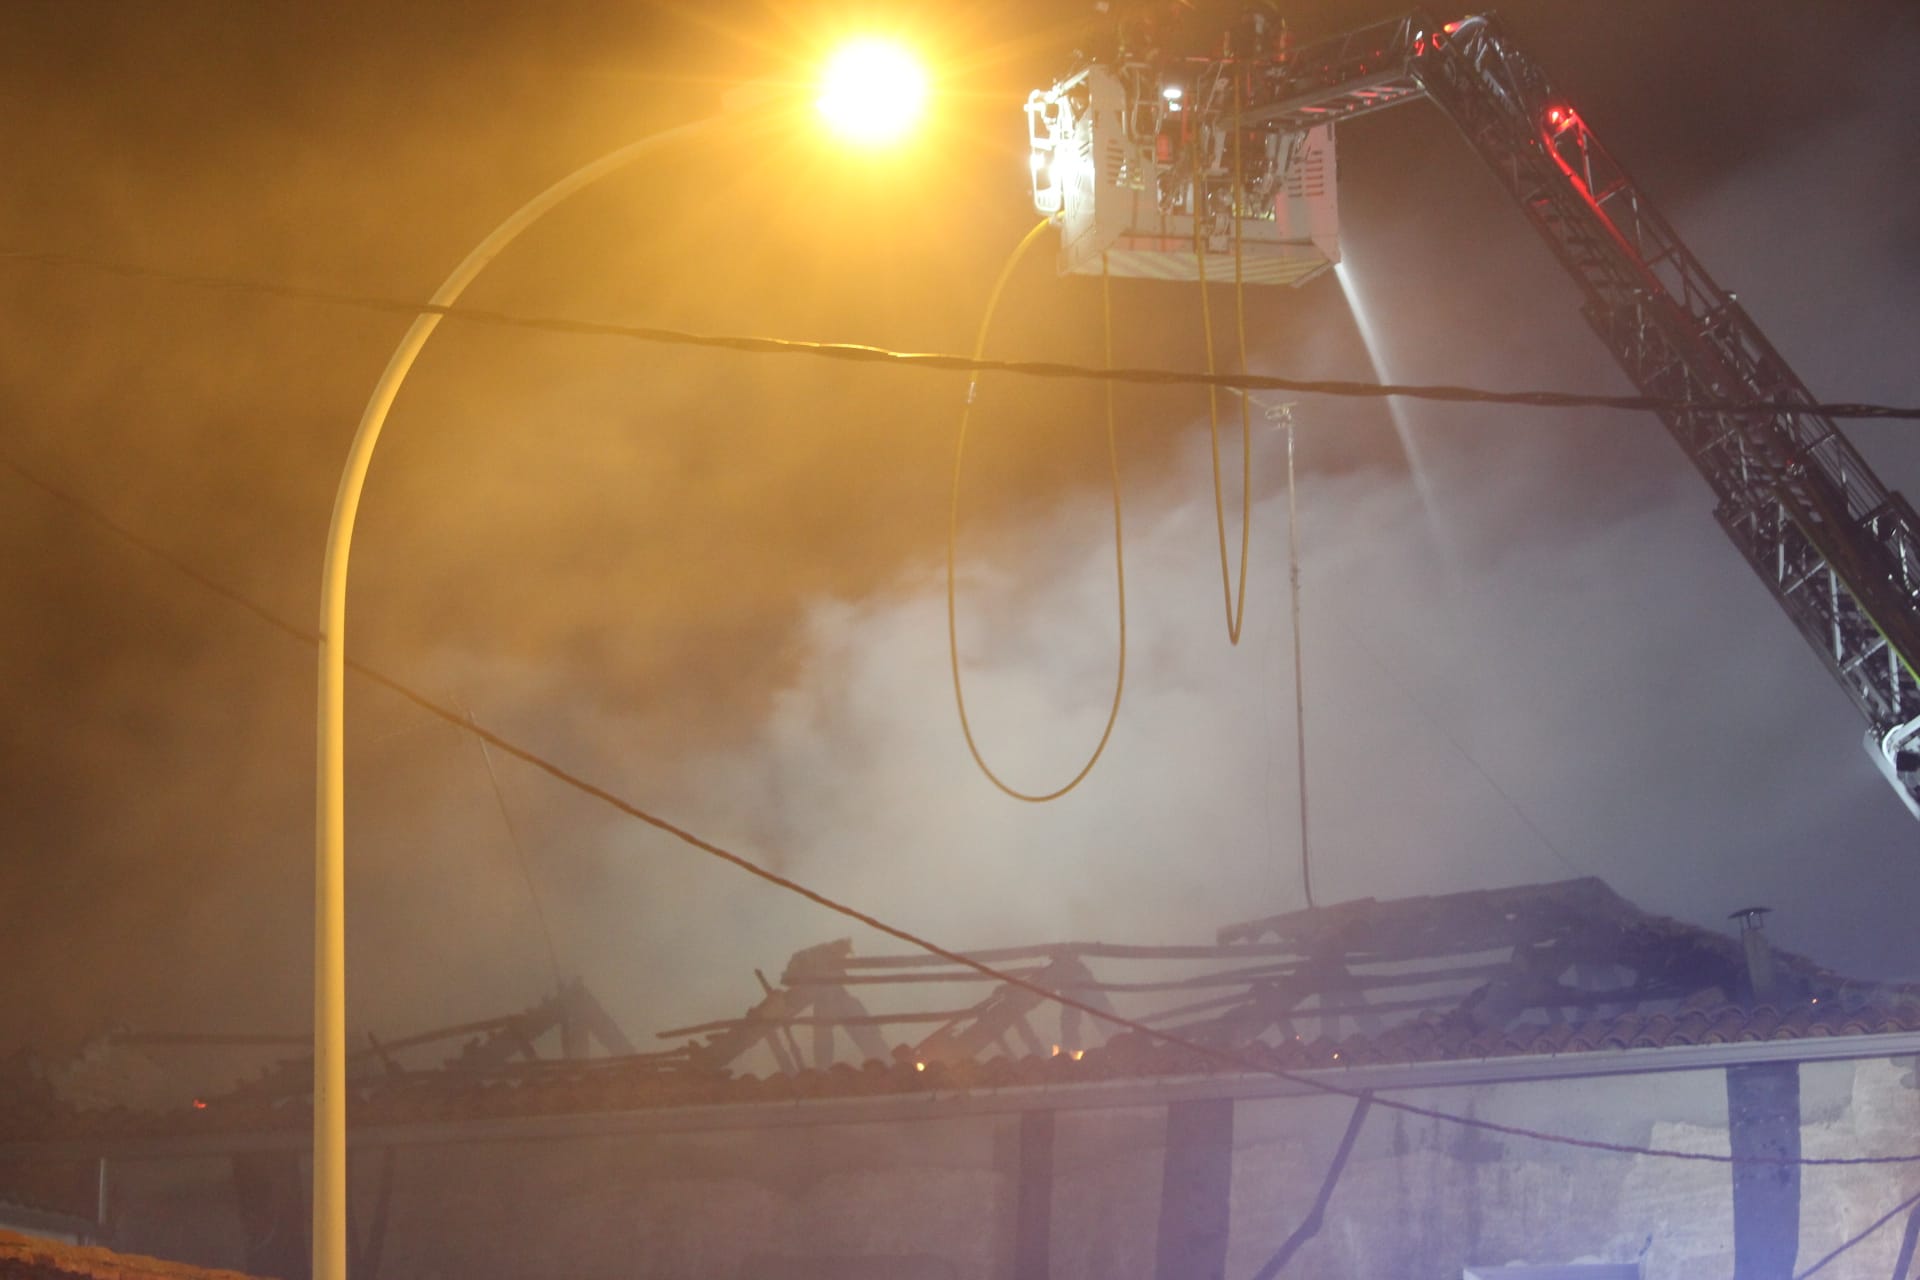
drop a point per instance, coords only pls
(1839, 552)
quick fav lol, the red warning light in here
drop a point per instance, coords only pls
(1451, 27)
(198, 1105)
(1555, 115)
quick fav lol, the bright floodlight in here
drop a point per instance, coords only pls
(873, 91)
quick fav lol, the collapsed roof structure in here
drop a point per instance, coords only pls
(856, 1088)
(1550, 970)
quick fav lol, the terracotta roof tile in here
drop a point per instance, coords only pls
(1689, 1027)
(1724, 1026)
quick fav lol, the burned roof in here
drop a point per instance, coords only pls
(1549, 969)
(1497, 969)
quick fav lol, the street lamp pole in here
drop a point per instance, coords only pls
(329, 945)
(872, 91)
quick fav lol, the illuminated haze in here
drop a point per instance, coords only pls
(712, 583)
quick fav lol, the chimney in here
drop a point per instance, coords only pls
(1753, 937)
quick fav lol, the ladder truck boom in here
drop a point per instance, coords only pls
(1839, 552)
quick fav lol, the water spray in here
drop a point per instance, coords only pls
(1416, 465)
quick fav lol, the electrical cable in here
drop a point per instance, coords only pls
(1316, 1216)
(953, 538)
(1204, 1052)
(1358, 635)
(279, 624)
(1872, 1227)
(860, 354)
(1208, 1053)
(520, 857)
(1909, 1241)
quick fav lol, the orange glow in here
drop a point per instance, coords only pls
(198, 1105)
(1079, 1054)
(919, 1066)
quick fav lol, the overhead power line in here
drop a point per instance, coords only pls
(1209, 1053)
(574, 781)
(861, 354)
(526, 868)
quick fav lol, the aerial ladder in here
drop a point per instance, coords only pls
(1178, 146)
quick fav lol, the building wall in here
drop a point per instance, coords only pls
(1424, 1198)
(932, 1201)
(178, 1209)
(1878, 1115)
(936, 1200)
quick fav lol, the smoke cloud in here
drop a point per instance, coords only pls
(713, 583)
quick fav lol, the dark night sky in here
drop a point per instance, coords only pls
(711, 581)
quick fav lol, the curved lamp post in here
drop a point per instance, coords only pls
(866, 82)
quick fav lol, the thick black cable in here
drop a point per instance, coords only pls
(1872, 1227)
(1316, 1216)
(1207, 1053)
(860, 354)
(1903, 1261)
